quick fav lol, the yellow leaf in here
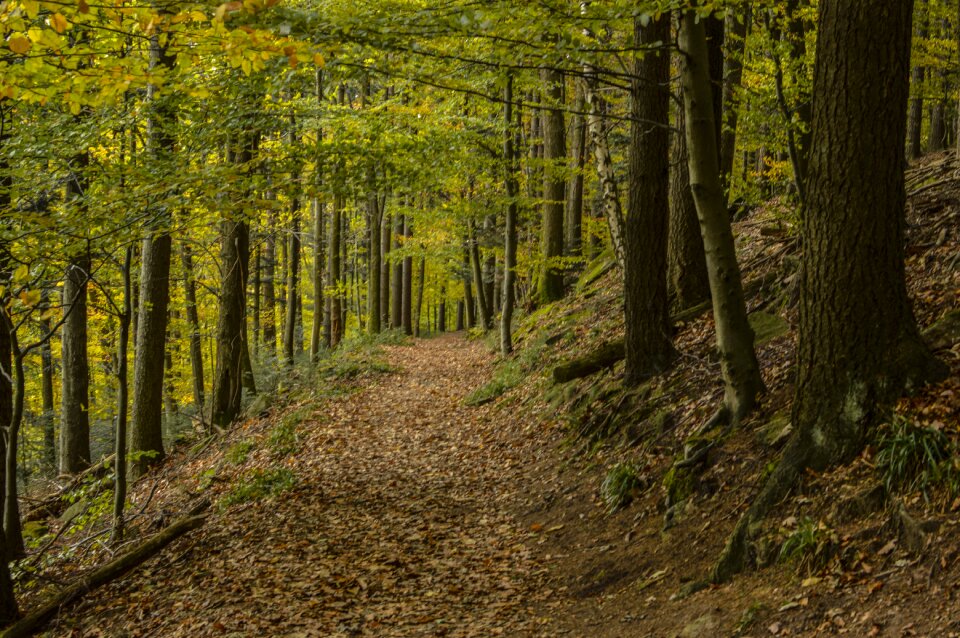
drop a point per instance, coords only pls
(19, 44)
(318, 60)
(21, 273)
(31, 7)
(30, 298)
(59, 23)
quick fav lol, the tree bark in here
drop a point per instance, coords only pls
(406, 310)
(511, 167)
(609, 189)
(859, 346)
(120, 440)
(396, 284)
(333, 274)
(193, 320)
(917, 78)
(75, 402)
(483, 304)
(649, 346)
(46, 387)
(228, 383)
(146, 422)
(574, 222)
(738, 361)
(554, 154)
(688, 281)
(735, 40)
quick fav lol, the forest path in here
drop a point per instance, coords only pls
(399, 525)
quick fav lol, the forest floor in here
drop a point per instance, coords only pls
(433, 488)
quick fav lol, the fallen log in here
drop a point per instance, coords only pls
(603, 357)
(29, 624)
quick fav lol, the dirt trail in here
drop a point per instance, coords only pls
(399, 525)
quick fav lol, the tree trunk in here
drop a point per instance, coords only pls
(374, 220)
(46, 387)
(396, 285)
(120, 440)
(75, 403)
(918, 76)
(554, 154)
(406, 310)
(610, 194)
(468, 286)
(574, 221)
(688, 281)
(648, 343)
(735, 39)
(510, 220)
(319, 300)
(333, 274)
(290, 333)
(482, 302)
(421, 282)
(193, 319)
(859, 346)
(146, 425)
(227, 383)
(741, 373)
(269, 311)
(385, 246)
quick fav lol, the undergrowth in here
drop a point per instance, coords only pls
(259, 484)
(509, 373)
(620, 486)
(913, 457)
(810, 546)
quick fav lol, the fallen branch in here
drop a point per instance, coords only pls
(603, 357)
(27, 625)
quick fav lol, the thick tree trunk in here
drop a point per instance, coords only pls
(75, 408)
(511, 161)
(859, 346)
(649, 346)
(554, 154)
(688, 281)
(738, 361)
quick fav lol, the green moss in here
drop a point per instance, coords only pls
(259, 484)
(679, 483)
(767, 327)
(237, 453)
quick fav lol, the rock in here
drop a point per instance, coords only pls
(706, 625)
(777, 430)
(945, 332)
(77, 509)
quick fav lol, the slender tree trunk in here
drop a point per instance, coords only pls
(75, 402)
(46, 387)
(468, 286)
(293, 284)
(574, 221)
(482, 302)
(554, 153)
(269, 310)
(406, 315)
(120, 441)
(510, 221)
(193, 319)
(735, 40)
(146, 425)
(610, 192)
(421, 282)
(648, 343)
(396, 287)
(918, 76)
(228, 384)
(374, 218)
(385, 246)
(738, 361)
(333, 274)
